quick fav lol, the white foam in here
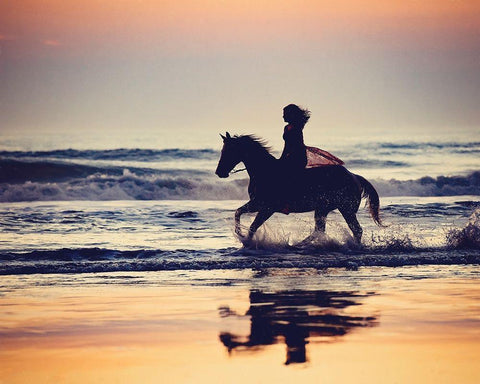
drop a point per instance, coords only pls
(467, 237)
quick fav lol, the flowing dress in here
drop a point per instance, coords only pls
(296, 155)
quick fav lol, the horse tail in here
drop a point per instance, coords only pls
(368, 191)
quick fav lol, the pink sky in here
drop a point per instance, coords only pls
(109, 64)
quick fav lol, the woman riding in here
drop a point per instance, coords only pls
(296, 156)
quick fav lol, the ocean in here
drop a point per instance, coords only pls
(121, 209)
(120, 264)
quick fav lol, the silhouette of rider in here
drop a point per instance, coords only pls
(294, 156)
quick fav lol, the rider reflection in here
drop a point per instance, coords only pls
(294, 317)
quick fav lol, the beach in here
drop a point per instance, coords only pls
(131, 132)
(410, 324)
(122, 265)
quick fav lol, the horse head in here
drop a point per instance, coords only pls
(230, 156)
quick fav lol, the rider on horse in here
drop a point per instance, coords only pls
(296, 156)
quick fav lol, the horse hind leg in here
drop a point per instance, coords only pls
(320, 223)
(351, 219)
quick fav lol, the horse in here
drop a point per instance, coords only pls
(273, 189)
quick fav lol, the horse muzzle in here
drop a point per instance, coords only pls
(222, 174)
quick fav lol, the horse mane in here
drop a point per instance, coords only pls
(254, 143)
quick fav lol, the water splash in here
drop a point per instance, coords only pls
(297, 236)
(467, 237)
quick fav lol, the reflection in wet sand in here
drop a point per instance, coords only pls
(164, 327)
(296, 317)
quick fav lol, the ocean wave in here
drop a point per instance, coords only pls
(55, 183)
(374, 163)
(19, 171)
(127, 186)
(426, 145)
(431, 186)
(121, 154)
(14, 171)
(146, 155)
(107, 260)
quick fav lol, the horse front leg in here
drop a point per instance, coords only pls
(262, 216)
(246, 208)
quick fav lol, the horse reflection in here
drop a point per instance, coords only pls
(295, 316)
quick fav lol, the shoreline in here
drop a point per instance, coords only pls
(329, 256)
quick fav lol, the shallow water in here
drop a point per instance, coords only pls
(77, 237)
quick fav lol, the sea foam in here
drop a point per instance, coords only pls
(467, 237)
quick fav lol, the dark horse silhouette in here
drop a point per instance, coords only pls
(272, 189)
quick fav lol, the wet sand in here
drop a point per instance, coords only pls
(374, 325)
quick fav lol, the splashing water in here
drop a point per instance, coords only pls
(468, 237)
(286, 235)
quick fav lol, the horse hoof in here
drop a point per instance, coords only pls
(243, 239)
(246, 242)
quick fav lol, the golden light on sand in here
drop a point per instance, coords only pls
(146, 333)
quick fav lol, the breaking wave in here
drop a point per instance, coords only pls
(57, 182)
(430, 186)
(171, 174)
(126, 186)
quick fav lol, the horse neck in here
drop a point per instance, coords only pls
(258, 162)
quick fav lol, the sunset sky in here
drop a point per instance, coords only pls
(211, 65)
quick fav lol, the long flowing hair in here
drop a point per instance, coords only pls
(297, 115)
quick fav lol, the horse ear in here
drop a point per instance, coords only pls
(223, 137)
(228, 136)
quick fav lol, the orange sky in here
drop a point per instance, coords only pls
(403, 63)
(103, 23)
